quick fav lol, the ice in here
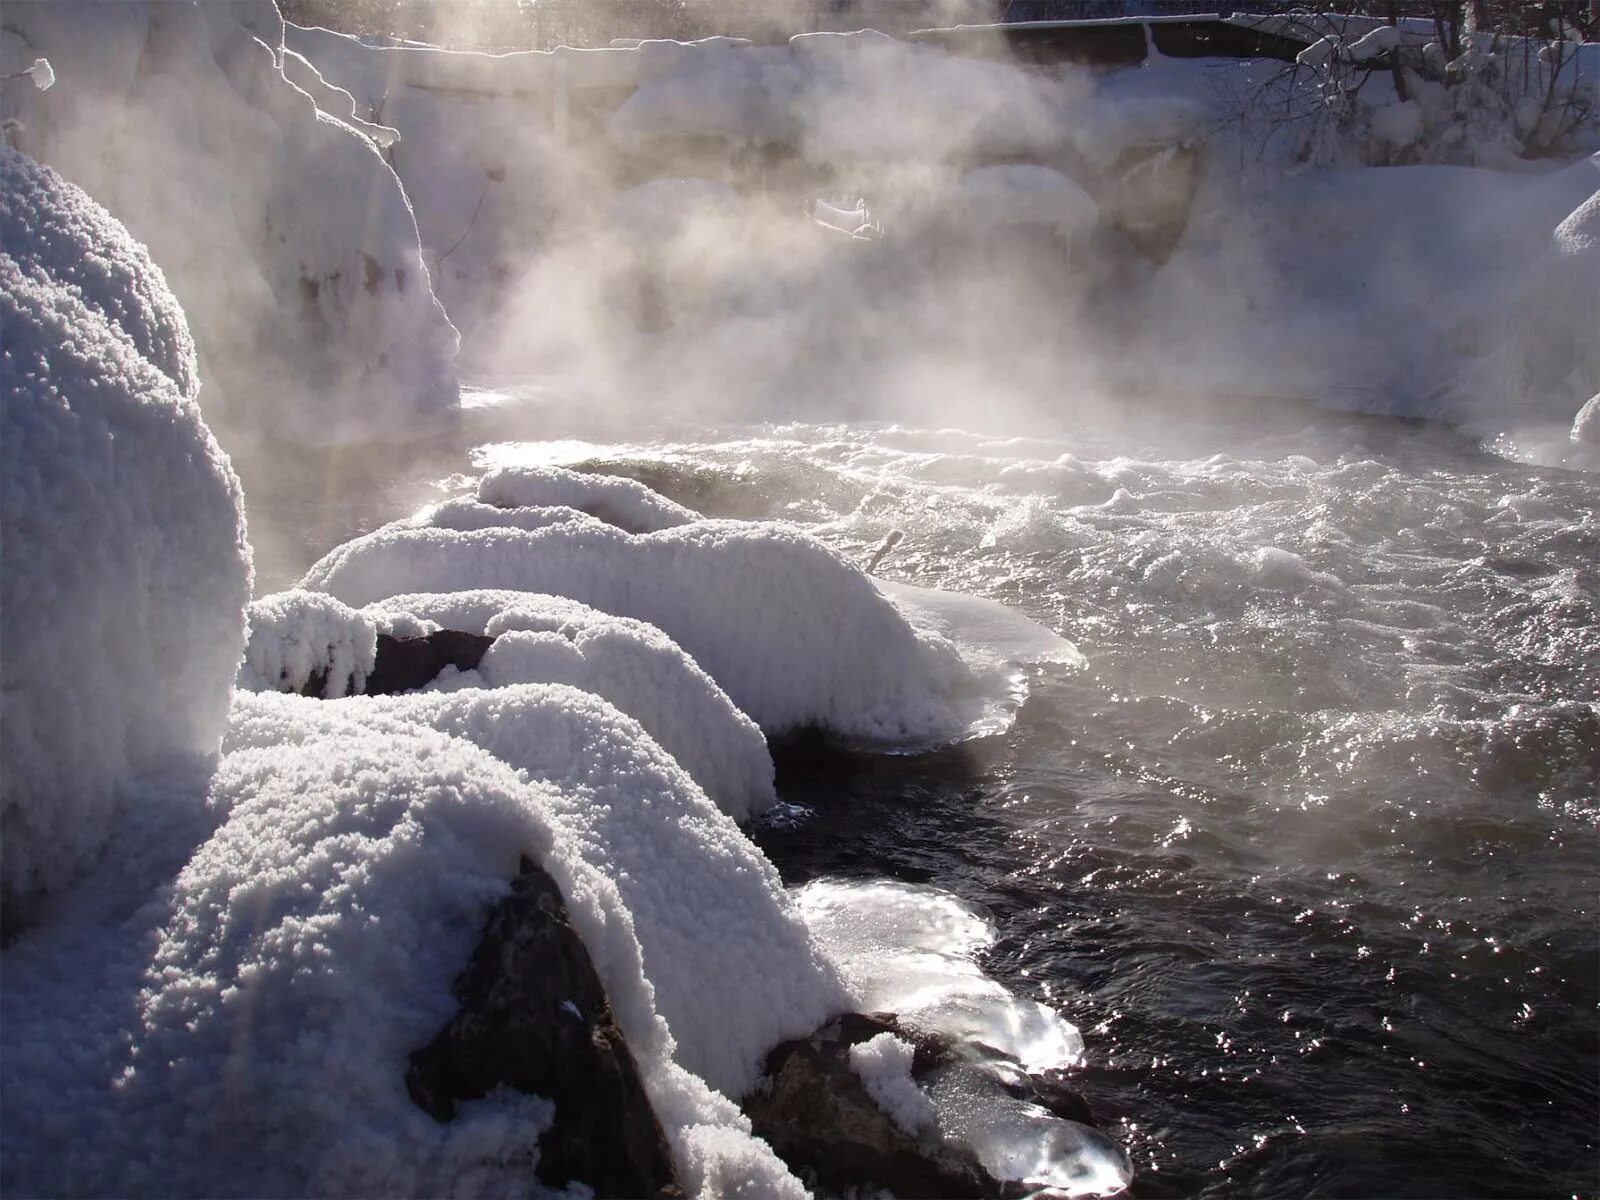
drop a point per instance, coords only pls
(910, 950)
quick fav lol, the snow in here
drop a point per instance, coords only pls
(296, 635)
(547, 639)
(625, 503)
(793, 634)
(55, 233)
(298, 262)
(1371, 45)
(1397, 124)
(704, 902)
(242, 1028)
(127, 571)
(884, 1065)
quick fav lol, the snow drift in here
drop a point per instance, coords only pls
(126, 566)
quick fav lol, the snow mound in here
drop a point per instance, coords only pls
(56, 234)
(297, 636)
(634, 666)
(792, 633)
(126, 566)
(625, 503)
(463, 513)
(704, 901)
(245, 1030)
(645, 674)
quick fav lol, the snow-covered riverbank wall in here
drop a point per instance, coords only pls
(281, 230)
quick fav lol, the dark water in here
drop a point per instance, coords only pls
(1310, 852)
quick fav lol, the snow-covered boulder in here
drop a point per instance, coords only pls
(126, 566)
(791, 632)
(308, 640)
(1586, 425)
(246, 1029)
(1551, 349)
(625, 503)
(281, 229)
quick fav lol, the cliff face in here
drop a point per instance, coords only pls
(282, 231)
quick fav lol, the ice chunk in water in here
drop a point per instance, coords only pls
(909, 950)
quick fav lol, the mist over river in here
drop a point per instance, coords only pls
(1308, 852)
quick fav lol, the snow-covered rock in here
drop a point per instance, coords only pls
(704, 902)
(296, 637)
(625, 503)
(632, 665)
(1550, 353)
(126, 567)
(1586, 425)
(246, 1030)
(793, 634)
(281, 229)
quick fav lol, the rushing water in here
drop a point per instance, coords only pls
(1309, 852)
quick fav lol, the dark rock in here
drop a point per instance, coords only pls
(402, 664)
(534, 1016)
(816, 1114)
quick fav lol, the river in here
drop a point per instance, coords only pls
(1309, 852)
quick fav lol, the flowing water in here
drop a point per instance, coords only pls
(1309, 851)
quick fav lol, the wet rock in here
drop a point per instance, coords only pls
(403, 664)
(534, 1016)
(817, 1115)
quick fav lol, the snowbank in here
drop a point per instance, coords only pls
(625, 503)
(1550, 355)
(126, 566)
(793, 634)
(282, 230)
(704, 902)
(246, 1031)
(634, 666)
